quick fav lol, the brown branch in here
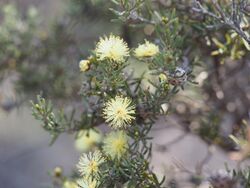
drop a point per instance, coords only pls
(231, 22)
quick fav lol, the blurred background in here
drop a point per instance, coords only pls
(41, 44)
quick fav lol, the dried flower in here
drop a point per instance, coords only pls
(84, 65)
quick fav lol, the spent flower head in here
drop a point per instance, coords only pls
(119, 112)
(115, 144)
(147, 49)
(89, 164)
(112, 48)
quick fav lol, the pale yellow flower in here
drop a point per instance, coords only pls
(119, 112)
(87, 183)
(163, 77)
(112, 48)
(115, 144)
(89, 163)
(87, 140)
(84, 65)
(69, 184)
(146, 50)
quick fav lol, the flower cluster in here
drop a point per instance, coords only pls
(118, 111)
(115, 99)
(89, 166)
(115, 49)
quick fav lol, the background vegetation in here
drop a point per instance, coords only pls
(204, 50)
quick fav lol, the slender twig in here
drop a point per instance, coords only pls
(206, 159)
(164, 147)
(232, 22)
(233, 9)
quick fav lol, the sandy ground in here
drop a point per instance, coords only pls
(181, 154)
(25, 156)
